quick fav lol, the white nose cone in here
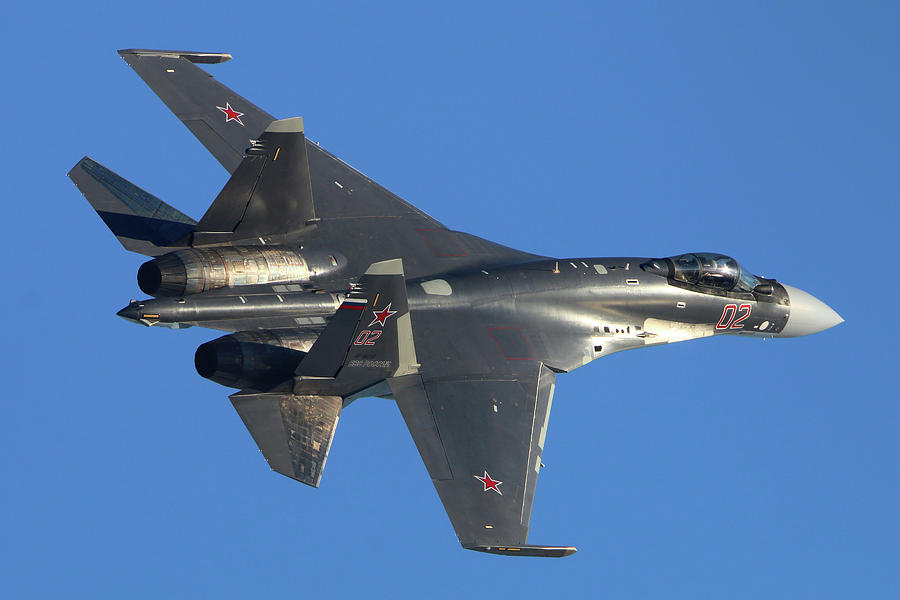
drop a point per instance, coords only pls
(808, 314)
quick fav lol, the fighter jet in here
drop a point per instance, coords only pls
(334, 289)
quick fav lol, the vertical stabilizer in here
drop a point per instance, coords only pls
(268, 194)
(368, 340)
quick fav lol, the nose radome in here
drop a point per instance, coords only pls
(808, 314)
(132, 312)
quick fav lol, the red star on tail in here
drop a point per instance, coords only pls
(489, 484)
(231, 114)
(382, 315)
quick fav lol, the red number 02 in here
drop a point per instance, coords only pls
(728, 321)
(367, 338)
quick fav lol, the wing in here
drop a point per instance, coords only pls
(478, 412)
(221, 119)
(353, 214)
(368, 224)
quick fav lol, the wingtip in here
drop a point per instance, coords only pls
(527, 550)
(209, 58)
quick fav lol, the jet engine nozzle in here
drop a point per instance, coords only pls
(808, 314)
(195, 270)
(253, 359)
(163, 276)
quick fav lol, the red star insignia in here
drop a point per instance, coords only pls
(489, 484)
(231, 114)
(382, 315)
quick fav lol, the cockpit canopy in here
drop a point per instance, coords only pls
(705, 269)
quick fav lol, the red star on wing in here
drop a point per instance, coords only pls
(231, 114)
(489, 484)
(382, 315)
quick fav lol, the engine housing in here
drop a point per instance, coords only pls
(253, 359)
(196, 270)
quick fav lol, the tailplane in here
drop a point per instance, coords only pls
(369, 339)
(140, 221)
(294, 433)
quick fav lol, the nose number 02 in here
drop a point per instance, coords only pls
(728, 320)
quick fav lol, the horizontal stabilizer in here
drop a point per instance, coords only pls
(142, 222)
(294, 433)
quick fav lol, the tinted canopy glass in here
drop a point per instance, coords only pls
(707, 269)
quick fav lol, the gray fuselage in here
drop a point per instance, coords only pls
(609, 303)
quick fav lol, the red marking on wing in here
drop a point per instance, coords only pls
(521, 335)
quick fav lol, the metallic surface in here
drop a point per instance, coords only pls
(270, 306)
(140, 221)
(253, 359)
(338, 289)
(186, 272)
(294, 433)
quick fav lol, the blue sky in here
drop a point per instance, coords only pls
(721, 468)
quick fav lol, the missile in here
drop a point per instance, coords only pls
(207, 308)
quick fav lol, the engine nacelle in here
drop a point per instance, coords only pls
(253, 359)
(195, 270)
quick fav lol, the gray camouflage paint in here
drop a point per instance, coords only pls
(337, 289)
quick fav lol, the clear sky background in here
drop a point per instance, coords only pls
(724, 468)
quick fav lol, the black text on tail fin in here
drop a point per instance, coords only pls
(367, 341)
(222, 120)
(268, 194)
(142, 222)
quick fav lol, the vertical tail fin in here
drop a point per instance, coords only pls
(368, 340)
(268, 194)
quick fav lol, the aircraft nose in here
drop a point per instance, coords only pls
(808, 314)
(132, 312)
